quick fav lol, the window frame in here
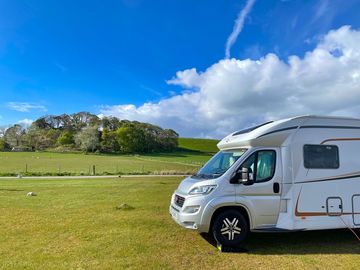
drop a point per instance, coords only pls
(256, 153)
(322, 168)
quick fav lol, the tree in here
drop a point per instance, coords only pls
(84, 119)
(35, 138)
(13, 135)
(109, 141)
(66, 138)
(3, 145)
(110, 123)
(2, 131)
(88, 139)
(170, 140)
(51, 137)
(82, 129)
(42, 123)
(131, 139)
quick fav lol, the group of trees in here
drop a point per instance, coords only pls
(87, 132)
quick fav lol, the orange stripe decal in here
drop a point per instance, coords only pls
(306, 214)
(340, 139)
(314, 214)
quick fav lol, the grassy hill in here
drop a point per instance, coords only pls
(192, 154)
(198, 145)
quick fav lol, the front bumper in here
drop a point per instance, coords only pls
(183, 217)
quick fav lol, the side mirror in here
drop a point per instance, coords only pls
(247, 177)
(244, 176)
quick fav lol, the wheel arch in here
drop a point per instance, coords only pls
(241, 208)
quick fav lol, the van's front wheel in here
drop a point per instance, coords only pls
(230, 228)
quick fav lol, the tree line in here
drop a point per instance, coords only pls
(87, 132)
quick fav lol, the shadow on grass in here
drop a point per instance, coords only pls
(300, 243)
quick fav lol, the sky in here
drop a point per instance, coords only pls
(204, 68)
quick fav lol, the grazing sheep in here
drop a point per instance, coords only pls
(31, 194)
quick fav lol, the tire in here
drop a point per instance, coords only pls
(230, 228)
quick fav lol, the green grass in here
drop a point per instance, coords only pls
(45, 163)
(75, 224)
(192, 155)
(200, 145)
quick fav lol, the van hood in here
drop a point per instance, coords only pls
(188, 183)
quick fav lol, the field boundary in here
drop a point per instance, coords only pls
(93, 176)
(170, 162)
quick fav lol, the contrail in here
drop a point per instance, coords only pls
(239, 24)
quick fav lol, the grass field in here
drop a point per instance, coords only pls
(200, 145)
(74, 224)
(193, 154)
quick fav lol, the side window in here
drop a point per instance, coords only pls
(249, 163)
(265, 165)
(321, 156)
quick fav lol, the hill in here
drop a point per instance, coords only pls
(198, 145)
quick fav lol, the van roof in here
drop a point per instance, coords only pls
(274, 133)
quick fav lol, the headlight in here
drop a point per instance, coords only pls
(202, 190)
(191, 209)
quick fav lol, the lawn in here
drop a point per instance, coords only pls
(74, 224)
(192, 154)
(200, 145)
(46, 163)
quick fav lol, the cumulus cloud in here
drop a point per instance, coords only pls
(233, 94)
(187, 78)
(25, 106)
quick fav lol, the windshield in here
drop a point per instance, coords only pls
(219, 163)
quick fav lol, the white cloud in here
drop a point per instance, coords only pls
(26, 122)
(187, 78)
(238, 26)
(25, 106)
(233, 94)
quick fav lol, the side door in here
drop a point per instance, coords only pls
(262, 195)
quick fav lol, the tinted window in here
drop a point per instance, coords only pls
(321, 156)
(265, 165)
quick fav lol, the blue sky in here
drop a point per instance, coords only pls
(69, 56)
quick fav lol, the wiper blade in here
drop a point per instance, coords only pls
(201, 175)
(218, 172)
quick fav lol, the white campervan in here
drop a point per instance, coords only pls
(301, 173)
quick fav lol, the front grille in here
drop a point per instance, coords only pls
(179, 201)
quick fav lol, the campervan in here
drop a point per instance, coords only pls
(301, 173)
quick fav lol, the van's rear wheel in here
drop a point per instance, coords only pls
(230, 228)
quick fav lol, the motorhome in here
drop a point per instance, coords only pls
(301, 173)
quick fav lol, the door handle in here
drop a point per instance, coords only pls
(276, 187)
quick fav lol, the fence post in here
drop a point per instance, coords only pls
(94, 172)
(26, 168)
